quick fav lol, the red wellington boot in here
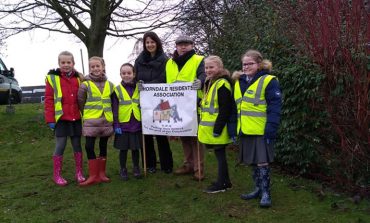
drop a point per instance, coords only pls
(93, 173)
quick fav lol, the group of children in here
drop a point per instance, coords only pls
(248, 109)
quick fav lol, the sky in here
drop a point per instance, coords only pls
(32, 54)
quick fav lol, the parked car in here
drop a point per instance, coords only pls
(9, 87)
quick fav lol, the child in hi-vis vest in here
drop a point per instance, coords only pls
(258, 97)
(127, 117)
(62, 113)
(217, 108)
(94, 100)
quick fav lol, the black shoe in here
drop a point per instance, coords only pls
(152, 170)
(123, 174)
(137, 173)
(215, 188)
(167, 171)
(228, 186)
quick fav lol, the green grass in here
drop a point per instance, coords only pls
(27, 193)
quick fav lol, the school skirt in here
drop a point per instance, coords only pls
(68, 128)
(128, 141)
(255, 150)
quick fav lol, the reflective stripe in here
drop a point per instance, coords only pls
(56, 100)
(52, 77)
(205, 123)
(107, 109)
(96, 107)
(125, 102)
(259, 89)
(255, 101)
(237, 101)
(210, 110)
(136, 101)
(253, 113)
(93, 99)
(59, 112)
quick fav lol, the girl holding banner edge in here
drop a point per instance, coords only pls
(215, 129)
(150, 68)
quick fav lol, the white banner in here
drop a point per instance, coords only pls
(169, 109)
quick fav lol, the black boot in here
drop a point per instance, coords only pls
(256, 179)
(265, 186)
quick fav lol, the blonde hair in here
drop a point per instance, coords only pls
(217, 60)
(98, 59)
(66, 53)
(264, 64)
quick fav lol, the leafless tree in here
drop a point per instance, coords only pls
(91, 21)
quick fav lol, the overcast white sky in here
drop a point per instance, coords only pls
(33, 54)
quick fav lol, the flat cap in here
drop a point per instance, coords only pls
(184, 39)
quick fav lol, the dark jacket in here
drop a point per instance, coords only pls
(273, 99)
(69, 90)
(151, 69)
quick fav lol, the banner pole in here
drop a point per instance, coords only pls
(198, 161)
(144, 154)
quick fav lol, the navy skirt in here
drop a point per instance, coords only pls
(128, 141)
(68, 128)
(255, 150)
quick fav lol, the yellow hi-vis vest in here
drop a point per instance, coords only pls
(127, 104)
(98, 103)
(252, 106)
(187, 73)
(54, 81)
(209, 112)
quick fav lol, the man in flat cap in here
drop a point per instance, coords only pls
(187, 66)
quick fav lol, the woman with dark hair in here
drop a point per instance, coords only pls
(150, 68)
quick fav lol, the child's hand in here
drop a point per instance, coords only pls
(51, 125)
(140, 85)
(118, 131)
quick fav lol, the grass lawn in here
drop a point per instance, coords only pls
(28, 194)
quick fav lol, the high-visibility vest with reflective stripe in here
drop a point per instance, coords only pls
(98, 103)
(127, 105)
(54, 81)
(252, 106)
(187, 73)
(209, 112)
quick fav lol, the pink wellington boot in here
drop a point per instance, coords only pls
(58, 164)
(79, 173)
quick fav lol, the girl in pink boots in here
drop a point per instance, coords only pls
(62, 114)
(94, 101)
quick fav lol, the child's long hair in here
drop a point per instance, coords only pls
(218, 61)
(264, 64)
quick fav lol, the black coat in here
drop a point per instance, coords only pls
(151, 69)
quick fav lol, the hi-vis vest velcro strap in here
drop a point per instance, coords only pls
(98, 103)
